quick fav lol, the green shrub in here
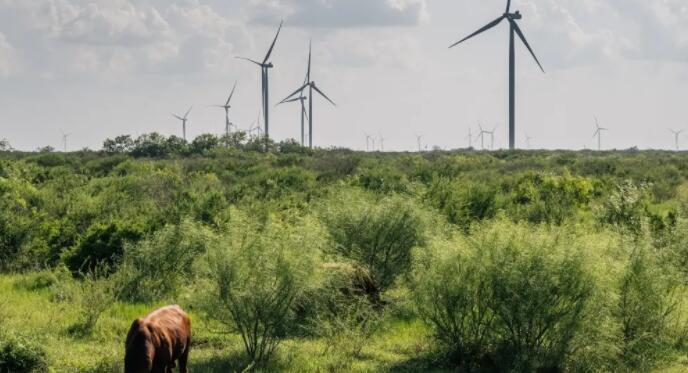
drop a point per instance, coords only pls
(453, 295)
(96, 294)
(102, 244)
(157, 266)
(21, 355)
(626, 206)
(511, 295)
(539, 295)
(648, 302)
(549, 198)
(464, 203)
(257, 273)
(378, 235)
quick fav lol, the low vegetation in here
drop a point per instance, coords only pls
(330, 260)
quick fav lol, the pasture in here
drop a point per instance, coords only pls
(332, 260)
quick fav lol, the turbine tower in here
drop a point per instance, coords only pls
(491, 133)
(528, 138)
(382, 142)
(227, 106)
(677, 135)
(368, 137)
(184, 119)
(481, 134)
(311, 87)
(302, 99)
(419, 139)
(470, 138)
(598, 133)
(265, 67)
(514, 30)
(65, 136)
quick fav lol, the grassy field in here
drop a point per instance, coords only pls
(441, 261)
(34, 314)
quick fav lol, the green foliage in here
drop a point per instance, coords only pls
(647, 304)
(378, 235)
(20, 354)
(157, 266)
(464, 203)
(96, 294)
(120, 144)
(103, 244)
(204, 144)
(257, 273)
(511, 296)
(549, 198)
(626, 206)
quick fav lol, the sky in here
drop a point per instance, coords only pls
(102, 68)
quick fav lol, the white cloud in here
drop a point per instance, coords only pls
(339, 13)
(8, 57)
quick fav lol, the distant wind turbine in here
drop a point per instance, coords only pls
(227, 106)
(528, 138)
(514, 30)
(481, 134)
(184, 119)
(492, 133)
(598, 133)
(368, 137)
(382, 142)
(470, 138)
(301, 99)
(64, 140)
(310, 85)
(265, 67)
(677, 135)
(419, 139)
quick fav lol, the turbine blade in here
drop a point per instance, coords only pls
(525, 42)
(178, 117)
(485, 28)
(508, 6)
(187, 113)
(249, 60)
(305, 112)
(272, 46)
(310, 49)
(231, 94)
(292, 100)
(324, 95)
(295, 92)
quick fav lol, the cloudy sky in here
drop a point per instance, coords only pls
(100, 68)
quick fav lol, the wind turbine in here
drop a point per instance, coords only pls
(368, 137)
(598, 133)
(382, 142)
(419, 139)
(302, 99)
(470, 138)
(311, 87)
(528, 138)
(184, 119)
(265, 67)
(64, 140)
(226, 106)
(513, 31)
(491, 133)
(677, 135)
(482, 136)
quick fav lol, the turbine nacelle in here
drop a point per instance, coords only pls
(516, 15)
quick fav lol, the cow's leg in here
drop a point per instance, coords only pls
(184, 358)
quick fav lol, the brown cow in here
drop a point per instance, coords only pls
(156, 341)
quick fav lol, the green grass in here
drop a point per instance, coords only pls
(400, 345)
